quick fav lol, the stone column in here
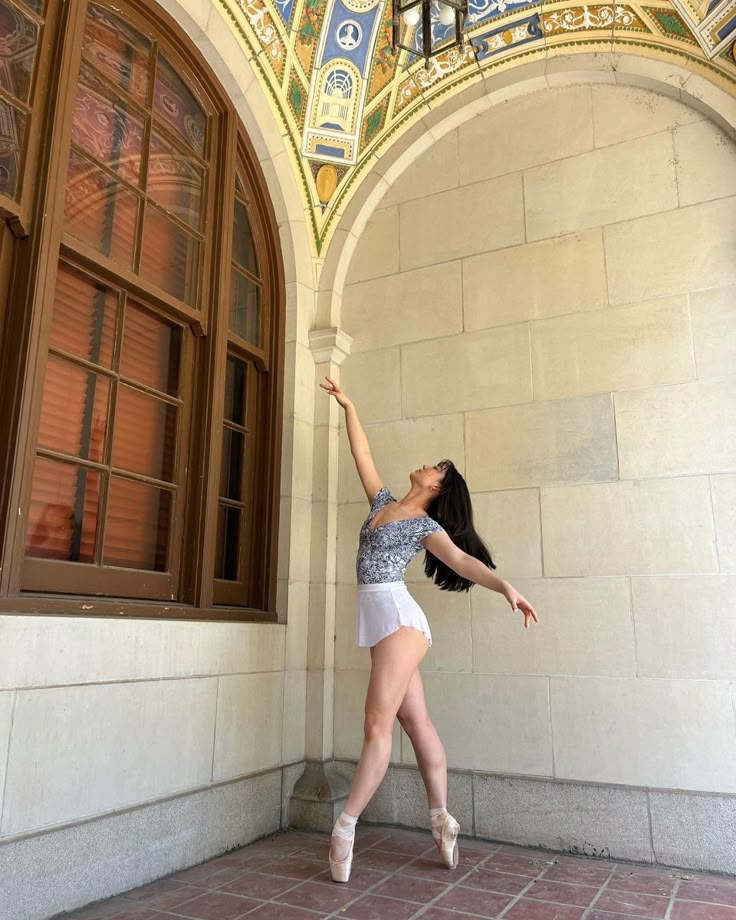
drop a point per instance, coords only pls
(321, 791)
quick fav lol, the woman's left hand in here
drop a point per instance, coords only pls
(521, 604)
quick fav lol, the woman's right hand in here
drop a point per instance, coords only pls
(334, 390)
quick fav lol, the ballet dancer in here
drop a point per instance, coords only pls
(435, 514)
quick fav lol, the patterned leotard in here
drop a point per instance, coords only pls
(385, 553)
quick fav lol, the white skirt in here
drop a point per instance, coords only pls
(384, 608)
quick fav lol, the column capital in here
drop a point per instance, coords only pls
(329, 345)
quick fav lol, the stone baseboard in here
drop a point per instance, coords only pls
(688, 830)
(65, 868)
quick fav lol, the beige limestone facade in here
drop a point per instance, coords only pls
(539, 281)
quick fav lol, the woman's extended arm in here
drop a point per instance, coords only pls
(441, 546)
(359, 447)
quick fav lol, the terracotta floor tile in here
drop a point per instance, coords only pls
(320, 896)
(381, 859)
(360, 878)
(483, 903)
(292, 867)
(402, 843)
(208, 875)
(493, 880)
(525, 909)
(164, 894)
(433, 869)
(579, 874)
(697, 910)
(216, 905)
(642, 884)
(410, 888)
(609, 915)
(373, 907)
(282, 912)
(633, 904)
(520, 865)
(562, 892)
(259, 885)
(115, 909)
(716, 891)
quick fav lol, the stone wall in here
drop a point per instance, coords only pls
(548, 297)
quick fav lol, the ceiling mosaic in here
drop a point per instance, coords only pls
(342, 96)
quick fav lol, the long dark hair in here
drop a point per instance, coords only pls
(453, 510)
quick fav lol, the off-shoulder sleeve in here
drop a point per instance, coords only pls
(381, 498)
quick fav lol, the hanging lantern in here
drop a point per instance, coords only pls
(431, 26)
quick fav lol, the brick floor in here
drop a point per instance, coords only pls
(397, 876)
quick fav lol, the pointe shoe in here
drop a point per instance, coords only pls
(340, 868)
(447, 842)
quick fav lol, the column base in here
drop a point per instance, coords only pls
(318, 797)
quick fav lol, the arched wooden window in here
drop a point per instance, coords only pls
(143, 345)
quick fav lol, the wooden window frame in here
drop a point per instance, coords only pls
(28, 276)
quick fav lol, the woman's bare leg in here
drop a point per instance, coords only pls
(430, 753)
(393, 662)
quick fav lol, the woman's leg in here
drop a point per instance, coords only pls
(430, 753)
(393, 662)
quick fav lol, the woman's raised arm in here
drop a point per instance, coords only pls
(359, 447)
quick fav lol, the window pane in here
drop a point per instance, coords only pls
(62, 519)
(235, 377)
(243, 250)
(170, 256)
(12, 148)
(99, 211)
(144, 439)
(18, 41)
(151, 350)
(227, 555)
(137, 526)
(245, 309)
(231, 469)
(36, 5)
(107, 127)
(175, 102)
(85, 312)
(117, 50)
(74, 410)
(175, 181)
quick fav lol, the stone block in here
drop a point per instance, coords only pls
(700, 242)
(249, 724)
(491, 723)
(694, 831)
(500, 141)
(469, 371)
(676, 734)
(534, 280)
(724, 511)
(96, 748)
(677, 430)
(373, 381)
(423, 222)
(685, 626)
(714, 323)
(569, 440)
(642, 527)
(510, 525)
(609, 184)
(295, 716)
(431, 306)
(584, 627)
(582, 819)
(377, 252)
(638, 345)
(622, 113)
(705, 157)
(436, 170)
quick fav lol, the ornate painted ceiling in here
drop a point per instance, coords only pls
(342, 96)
